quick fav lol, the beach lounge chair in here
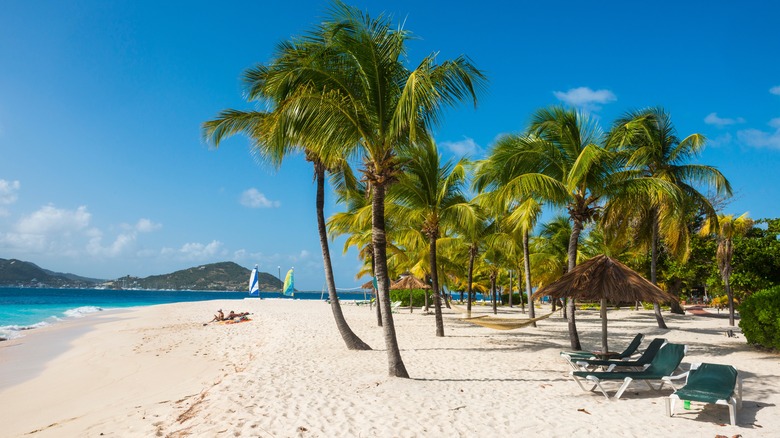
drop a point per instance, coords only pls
(641, 362)
(663, 365)
(710, 383)
(571, 356)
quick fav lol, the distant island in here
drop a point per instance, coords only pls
(224, 276)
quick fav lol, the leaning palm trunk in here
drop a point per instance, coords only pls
(435, 284)
(653, 268)
(350, 338)
(527, 274)
(574, 337)
(395, 364)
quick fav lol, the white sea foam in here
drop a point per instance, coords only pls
(13, 331)
(80, 312)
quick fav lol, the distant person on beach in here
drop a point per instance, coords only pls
(233, 315)
(219, 316)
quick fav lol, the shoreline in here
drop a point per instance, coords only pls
(157, 370)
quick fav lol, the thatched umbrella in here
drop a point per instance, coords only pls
(368, 285)
(409, 282)
(606, 279)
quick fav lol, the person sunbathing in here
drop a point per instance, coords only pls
(233, 315)
(219, 316)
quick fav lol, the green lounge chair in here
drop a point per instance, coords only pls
(572, 356)
(641, 362)
(710, 383)
(663, 365)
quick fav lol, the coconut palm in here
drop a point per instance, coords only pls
(726, 228)
(358, 99)
(432, 194)
(271, 142)
(560, 160)
(469, 241)
(649, 139)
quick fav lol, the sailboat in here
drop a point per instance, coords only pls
(254, 286)
(289, 284)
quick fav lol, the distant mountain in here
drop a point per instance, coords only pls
(225, 276)
(20, 273)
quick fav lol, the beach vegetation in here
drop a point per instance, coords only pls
(272, 139)
(657, 212)
(352, 92)
(726, 228)
(760, 318)
(429, 195)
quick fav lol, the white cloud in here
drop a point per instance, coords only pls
(713, 119)
(585, 98)
(252, 198)
(465, 147)
(8, 195)
(775, 90)
(146, 226)
(720, 141)
(51, 220)
(196, 251)
(761, 139)
(8, 191)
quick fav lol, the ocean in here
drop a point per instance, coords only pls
(27, 308)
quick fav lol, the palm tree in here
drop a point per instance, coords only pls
(469, 240)
(520, 214)
(561, 161)
(432, 193)
(726, 227)
(272, 142)
(649, 139)
(358, 99)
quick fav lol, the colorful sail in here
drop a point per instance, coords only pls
(289, 284)
(254, 285)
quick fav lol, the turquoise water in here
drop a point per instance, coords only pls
(26, 308)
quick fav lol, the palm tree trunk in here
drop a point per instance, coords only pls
(493, 289)
(435, 285)
(378, 307)
(728, 251)
(350, 338)
(395, 364)
(472, 256)
(675, 290)
(730, 296)
(576, 229)
(653, 267)
(527, 272)
(510, 289)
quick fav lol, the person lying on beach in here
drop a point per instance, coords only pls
(219, 316)
(233, 315)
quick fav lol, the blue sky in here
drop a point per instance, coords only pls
(104, 174)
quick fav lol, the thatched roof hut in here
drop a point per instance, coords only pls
(606, 279)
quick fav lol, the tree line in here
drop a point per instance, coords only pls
(344, 95)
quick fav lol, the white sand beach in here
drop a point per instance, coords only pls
(158, 371)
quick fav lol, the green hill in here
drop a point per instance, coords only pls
(224, 276)
(20, 273)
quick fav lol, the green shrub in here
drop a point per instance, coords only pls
(760, 318)
(587, 306)
(418, 297)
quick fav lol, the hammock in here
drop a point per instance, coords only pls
(497, 323)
